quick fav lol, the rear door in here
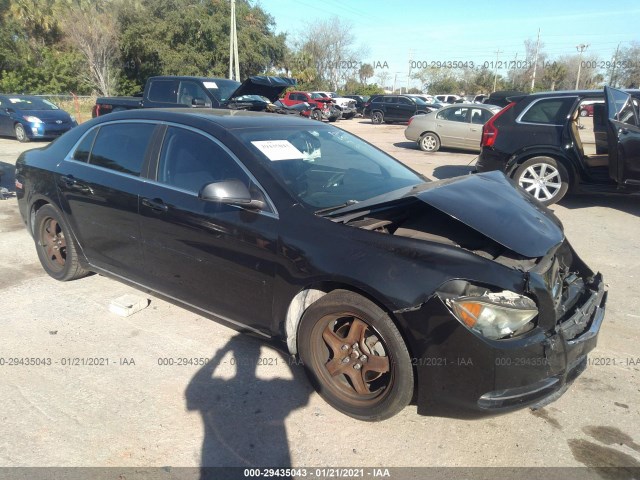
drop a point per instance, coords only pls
(623, 137)
(478, 117)
(98, 185)
(452, 125)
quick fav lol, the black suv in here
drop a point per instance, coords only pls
(361, 101)
(394, 108)
(541, 142)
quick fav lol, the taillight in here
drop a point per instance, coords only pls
(409, 122)
(490, 131)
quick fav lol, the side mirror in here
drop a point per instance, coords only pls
(197, 102)
(10, 110)
(230, 192)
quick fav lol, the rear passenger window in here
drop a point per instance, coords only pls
(82, 152)
(122, 146)
(548, 111)
(189, 161)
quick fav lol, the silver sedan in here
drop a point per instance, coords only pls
(457, 126)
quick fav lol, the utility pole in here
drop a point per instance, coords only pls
(395, 77)
(613, 68)
(234, 66)
(495, 73)
(409, 74)
(581, 48)
(535, 62)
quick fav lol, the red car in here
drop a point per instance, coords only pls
(323, 106)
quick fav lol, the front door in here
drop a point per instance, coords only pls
(623, 137)
(216, 257)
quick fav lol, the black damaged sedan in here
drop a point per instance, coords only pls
(461, 295)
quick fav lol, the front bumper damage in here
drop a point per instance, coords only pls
(463, 374)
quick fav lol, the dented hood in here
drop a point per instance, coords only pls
(490, 204)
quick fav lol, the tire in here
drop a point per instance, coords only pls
(338, 338)
(349, 116)
(55, 246)
(21, 133)
(333, 119)
(316, 115)
(429, 142)
(553, 185)
(377, 118)
(584, 113)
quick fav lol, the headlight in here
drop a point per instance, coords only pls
(495, 315)
(31, 119)
(73, 118)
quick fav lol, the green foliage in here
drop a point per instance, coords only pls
(353, 87)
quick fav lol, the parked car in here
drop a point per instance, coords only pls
(501, 97)
(26, 117)
(347, 106)
(305, 235)
(448, 98)
(586, 108)
(536, 141)
(197, 92)
(323, 107)
(255, 103)
(361, 100)
(457, 126)
(394, 108)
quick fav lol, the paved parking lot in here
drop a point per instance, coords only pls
(133, 410)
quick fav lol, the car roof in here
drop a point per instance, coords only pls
(226, 118)
(572, 93)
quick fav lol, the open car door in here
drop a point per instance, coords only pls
(623, 137)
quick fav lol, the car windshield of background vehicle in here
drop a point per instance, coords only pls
(32, 104)
(324, 167)
(221, 89)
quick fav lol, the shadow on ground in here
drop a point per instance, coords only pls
(244, 416)
(449, 171)
(625, 203)
(7, 176)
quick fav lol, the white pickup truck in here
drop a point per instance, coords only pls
(346, 105)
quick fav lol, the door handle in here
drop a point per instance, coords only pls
(623, 131)
(156, 204)
(71, 183)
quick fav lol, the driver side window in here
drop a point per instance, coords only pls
(189, 161)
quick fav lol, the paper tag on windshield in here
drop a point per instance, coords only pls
(210, 84)
(278, 150)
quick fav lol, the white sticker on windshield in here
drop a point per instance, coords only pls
(16, 100)
(210, 85)
(278, 150)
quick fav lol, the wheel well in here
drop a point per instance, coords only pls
(429, 131)
(311, 294)
(37, 205)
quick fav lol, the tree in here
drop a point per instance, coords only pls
(94, 34)
(627, 73)
(365, 72)
(554, 74)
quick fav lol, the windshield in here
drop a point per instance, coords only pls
(31, 104)
(323, 166)
(418, 100)
(221, 89)
(318, 95)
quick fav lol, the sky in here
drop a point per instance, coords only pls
(398, 31)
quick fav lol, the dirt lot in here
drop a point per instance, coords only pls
(131, 411)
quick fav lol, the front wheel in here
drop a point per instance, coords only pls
(316, 115)
(21, 133)
(55, 246)
(584, 113)
(355, 356)
(543, 177)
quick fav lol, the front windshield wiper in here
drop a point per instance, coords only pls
(336, 207)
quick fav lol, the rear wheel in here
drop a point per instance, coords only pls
(55, 246)
(355, 356)
(21, 133)
(377, 118)
(543, 177)
(429, 142)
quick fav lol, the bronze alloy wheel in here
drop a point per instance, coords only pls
(56, 248)
(53, 243)
(355, 356)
